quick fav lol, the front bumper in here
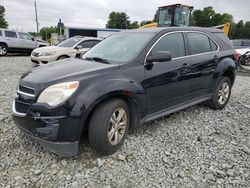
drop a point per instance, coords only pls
(42, 59)
(57, 133)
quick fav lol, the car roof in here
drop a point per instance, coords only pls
(169, 29)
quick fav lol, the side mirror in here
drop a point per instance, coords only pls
(79, 47)
(32, 39)
(159, 56)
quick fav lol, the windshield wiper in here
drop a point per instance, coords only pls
(97, 59)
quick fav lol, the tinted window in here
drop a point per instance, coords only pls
(1, 34)
(214, 47)
(198, 43)
(87, 44)
(10, 34)
(172, 43)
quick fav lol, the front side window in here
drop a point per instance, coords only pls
(10, 34)
(119, 48)
(1, 34)
(172, 43)
(198, 43)
(24, 36)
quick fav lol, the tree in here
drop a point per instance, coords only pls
(208, 17)
(3, 22)
(46, 32)
(118, 20)
(134, 25)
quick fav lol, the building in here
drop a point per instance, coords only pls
(90, 32)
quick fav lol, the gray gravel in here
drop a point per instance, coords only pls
(197, 147)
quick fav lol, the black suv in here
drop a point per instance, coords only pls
(129, 78)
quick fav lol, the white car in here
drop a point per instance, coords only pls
(18, 42)
(71, 47)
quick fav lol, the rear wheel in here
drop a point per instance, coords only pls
(109, 126)
(221, 94)
(3, 50)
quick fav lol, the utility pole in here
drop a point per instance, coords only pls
(37, 29)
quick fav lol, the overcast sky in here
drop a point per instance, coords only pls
(20, 14)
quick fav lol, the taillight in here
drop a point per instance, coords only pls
(236, 56)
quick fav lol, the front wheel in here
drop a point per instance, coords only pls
(221, 94)
(109, 126)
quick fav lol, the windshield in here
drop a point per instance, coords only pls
(70, 42)
(181, 16)
(119, 48)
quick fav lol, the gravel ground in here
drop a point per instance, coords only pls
(197, 147)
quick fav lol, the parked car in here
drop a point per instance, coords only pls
(18, 42)
(71, 47)
(242, 47)
(129, 78)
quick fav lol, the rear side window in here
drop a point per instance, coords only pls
(224, 39)
(172, 43)
(10, 34)
(1, 33)
(198, 43)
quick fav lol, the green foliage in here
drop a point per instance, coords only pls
(240, 30)
(45, 32)
(145, 22)
(118, 20)
(208, 17)
(3, 22)
(133, 25)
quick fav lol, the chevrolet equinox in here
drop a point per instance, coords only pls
(127, 79)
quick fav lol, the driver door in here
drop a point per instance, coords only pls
(168, 83)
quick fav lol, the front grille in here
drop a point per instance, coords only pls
(36, 54)
(21, 107)
(26, 90)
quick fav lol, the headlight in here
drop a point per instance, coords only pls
(58, 93)
(46, 53)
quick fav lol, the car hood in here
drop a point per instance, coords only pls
(65, 70)
(50, 49)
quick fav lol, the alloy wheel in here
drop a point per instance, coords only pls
(117, 126)
(223, 93)
(3, 50)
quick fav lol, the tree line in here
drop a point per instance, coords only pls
(207, 17)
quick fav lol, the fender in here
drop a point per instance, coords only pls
(225, 65)
(101, 90)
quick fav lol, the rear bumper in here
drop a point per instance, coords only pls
(64, 149)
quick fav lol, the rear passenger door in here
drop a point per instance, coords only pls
(204, 57)
(11, 39)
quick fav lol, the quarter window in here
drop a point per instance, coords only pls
(172, 43)
(214, 47)
(1, 34)
(198, 43)
(11, 34)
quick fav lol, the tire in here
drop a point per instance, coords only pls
(101, 126)
(3, 49)
(62, 57)
(221, 94)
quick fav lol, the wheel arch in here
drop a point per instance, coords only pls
(64, 55)
(130, 100)
(4, 43)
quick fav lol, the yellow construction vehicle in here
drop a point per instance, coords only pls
(177, 15)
